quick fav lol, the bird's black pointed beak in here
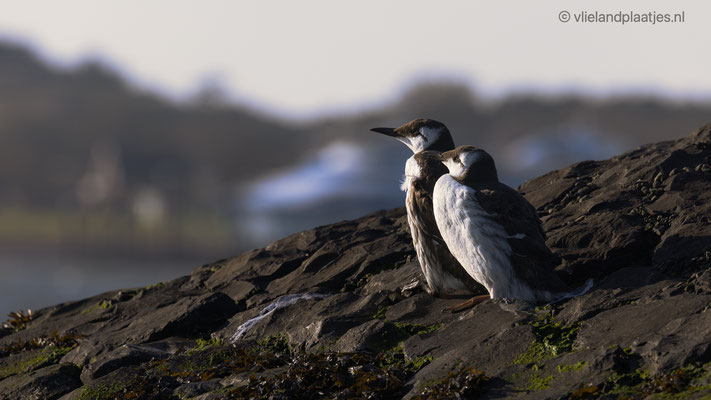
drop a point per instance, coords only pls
(434, 155)
(386, 131)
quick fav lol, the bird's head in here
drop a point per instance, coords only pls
(470, 164)
(421, 134)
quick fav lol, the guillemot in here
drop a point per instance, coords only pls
(493, 231)
(443, 273)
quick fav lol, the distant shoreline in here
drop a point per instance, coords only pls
(118, 251)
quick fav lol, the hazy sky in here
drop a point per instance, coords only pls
(303, 58)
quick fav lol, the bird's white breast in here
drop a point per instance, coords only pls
(476, 241)
(412, 172)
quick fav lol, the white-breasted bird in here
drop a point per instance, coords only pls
(443, 274)
(493, 231)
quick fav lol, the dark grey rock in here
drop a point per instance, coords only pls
(130, 354)
(43, 384)
(648, 207)
(193, 389)
(164, 314)
(371, 336)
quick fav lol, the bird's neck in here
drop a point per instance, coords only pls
(431, 171)
(479, 177)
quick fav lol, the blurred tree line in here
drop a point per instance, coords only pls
(88, 162)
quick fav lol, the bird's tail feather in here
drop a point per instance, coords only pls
(575, 293)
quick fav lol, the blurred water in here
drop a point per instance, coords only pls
(337, 169)
(40, 280)
(538, 152)
(343, 180)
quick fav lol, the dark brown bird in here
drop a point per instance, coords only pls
(443, 273)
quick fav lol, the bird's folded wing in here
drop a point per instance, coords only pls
(422, 204)
(518, 218)
(531, 259)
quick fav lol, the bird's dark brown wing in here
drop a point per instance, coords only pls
(531, 258)
(423, 188)
(422, 203)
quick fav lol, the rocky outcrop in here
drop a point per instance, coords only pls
(320, 314)
(647, 208)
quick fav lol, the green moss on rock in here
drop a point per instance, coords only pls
(574, 367)
(47, 356)
(552, 339)
(416, 329)
(203, 344)
(381, 313)
(277, 344)
(100, 392)
(692, 381)
(539, 382)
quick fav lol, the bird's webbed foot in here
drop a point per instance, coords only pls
(473, 302)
